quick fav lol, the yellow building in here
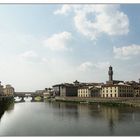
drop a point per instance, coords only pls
(117, 90)
(84, 91)
(8, 90)
(89, 91)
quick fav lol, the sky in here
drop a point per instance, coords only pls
(46, 44)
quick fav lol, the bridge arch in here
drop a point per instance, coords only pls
(33, 95)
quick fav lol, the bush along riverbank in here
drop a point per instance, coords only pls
(133, 101)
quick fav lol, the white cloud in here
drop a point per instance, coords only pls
(44, 60)
(126, 52)
(85, 66)
(102, 65)
(89, 65)
(58, 42)
(107, 19)
(29, 56)
(64, 10)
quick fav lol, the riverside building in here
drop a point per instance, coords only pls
(112, 88)
(8, 90)
(77, 89)
(1, 89)
(137, 91)
(84, 91)
(89, 91)
(116, 88)
(65, 89)
(136, 86)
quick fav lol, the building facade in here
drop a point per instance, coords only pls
(1, 90)
(84, 91)
(89, 91)
(48, 92)
(8, 90)
(117, 90)
(112, 88)
(136, 86)
(65, 89)
(137, 91)
(96, 91)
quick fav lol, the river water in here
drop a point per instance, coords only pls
(68, 119)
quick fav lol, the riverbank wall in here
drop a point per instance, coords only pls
(6, 98)
(127, 101)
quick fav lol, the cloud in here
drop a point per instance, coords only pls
(102, 65)
(94, 20)
(67, 8)
(58, 42)
(126, 52)
(89, 65)
(85, 66)
(64, 10)
(29, 56)
(44, 60)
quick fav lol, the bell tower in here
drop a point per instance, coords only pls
(110, 73)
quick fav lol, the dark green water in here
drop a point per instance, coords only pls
(68, 119)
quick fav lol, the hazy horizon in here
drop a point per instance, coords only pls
(46, 44)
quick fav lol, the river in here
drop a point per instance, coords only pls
(68, 119)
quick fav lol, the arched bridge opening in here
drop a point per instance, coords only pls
(23, 96)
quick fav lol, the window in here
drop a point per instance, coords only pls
(106, 95)
(115, 95)
(110, 95)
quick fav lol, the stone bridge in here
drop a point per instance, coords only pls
(22, 95)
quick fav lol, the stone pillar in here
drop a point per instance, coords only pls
(33, 99)
(22, 99)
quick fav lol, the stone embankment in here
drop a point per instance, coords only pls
(4, 98)
(129, 101)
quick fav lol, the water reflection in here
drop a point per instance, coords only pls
(6, 106)
(66, 110)
(113, 116)
(59, 118)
